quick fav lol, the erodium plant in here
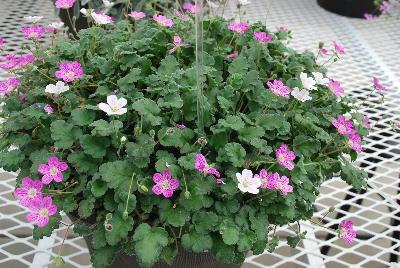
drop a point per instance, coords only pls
(121, 152)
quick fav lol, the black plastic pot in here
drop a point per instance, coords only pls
(80, 23)
(184, 259)
(349, 8)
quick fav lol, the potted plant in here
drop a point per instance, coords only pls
(154, 156)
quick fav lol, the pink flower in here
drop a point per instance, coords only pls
(324, 51)
(191, 8)
(370, 17)
(238, 27)
(180, 15)
(1, 41)
(69, 71)
(384, 7)
(201, 165)
(8, 86)
(366, 122)
(268, 180)
(33, 32)
(53, 170)
(163, 20)
(48, 109)
(355, 142)
(233, 55)
(165, 184)
(283, 185)
(335, 87)
(343, 126)
(11, 61)
(41, 210)
(346, 231)
(30, 191)
(285, 157)
(377, 84)
(65, 4)
(21, 97)
(180, 126)
(338, 48)
(263, 37)
(278, 88)
(177, 41)
(101, 18)
(137, 15)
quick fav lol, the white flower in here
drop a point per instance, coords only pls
(84, 11)
(114, 106)
(308, 82)
(301, 95)
(101, 18)
(56, 25)
(33, 19)
(244, 2)
(107, 3)
(248, 183)
(347, 116)
(123, 139)
(320, 79)
(56, 89)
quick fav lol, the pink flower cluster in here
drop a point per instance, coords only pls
(191, 8)
(339, 49)
(263, 37)
(180, 15)
(346, 231)
(238, 27)
(274, 181)
(278, 88)
(11, 61)
(64, 4)
(345, 127)
(201, 165)
(163, 21)
(165, 184)
(9, 85)
(335, 87)
(384, 7)
(69, 71)
(285, 157)
(34, 32)
(30, 196)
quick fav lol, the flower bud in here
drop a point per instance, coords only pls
(187, 194)
(125, 215)
(58, 261)
(331, 209)
(108, 227)
(123, 139)
(108, 216)
(144, 188)
(202, 141)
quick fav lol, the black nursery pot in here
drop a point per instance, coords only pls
(80, 23)
(184, 259)
(349, 8)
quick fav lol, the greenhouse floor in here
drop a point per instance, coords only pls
(371, 50)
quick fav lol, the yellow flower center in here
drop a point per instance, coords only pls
(44, 212)
(32, 192)
(53, 171)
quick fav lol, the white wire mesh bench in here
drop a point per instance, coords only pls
(371, 51)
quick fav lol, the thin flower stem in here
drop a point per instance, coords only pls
(316, 223)
(293, 229)
(72, 24)
(184, 180)
(62, 243)
(45, 75)
(129, 193)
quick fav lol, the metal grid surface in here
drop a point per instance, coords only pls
(371, 51)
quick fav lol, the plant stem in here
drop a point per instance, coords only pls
(72, 24)
(129, 194)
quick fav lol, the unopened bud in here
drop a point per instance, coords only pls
(108, 227)
(202, 141)
(144, 188)
(170, 131)
(187, 194)
(58, 261)
(125, 215)
(123, 139)
(331, 209)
